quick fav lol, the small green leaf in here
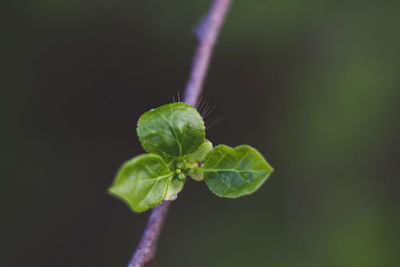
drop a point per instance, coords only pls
(235, 172)
(200, 154)
(174, 187)
(171, 130)
(142, 182)
(197, 175)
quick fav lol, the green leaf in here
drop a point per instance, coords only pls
(142, 182)
(197, 175)
(200, 154)
(235, 172)
(174, 187)
(171, 130)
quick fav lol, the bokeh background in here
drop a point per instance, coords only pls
(314, 85)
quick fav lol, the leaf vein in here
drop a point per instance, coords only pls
(223, 180)
(172, 130)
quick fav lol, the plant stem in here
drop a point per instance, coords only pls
(207, 34)
(145, 251)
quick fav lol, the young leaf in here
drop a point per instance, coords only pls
(197, 175)
(142, 182)
(201, 152)
(235, 172)
(174, 187)
(171, 130)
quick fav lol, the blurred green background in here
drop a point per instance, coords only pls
(314, 85)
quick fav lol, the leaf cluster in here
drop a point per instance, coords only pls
(174, 137)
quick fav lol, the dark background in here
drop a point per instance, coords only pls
(314, 85)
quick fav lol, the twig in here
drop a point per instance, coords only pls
(145, 251)
(206, 34)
